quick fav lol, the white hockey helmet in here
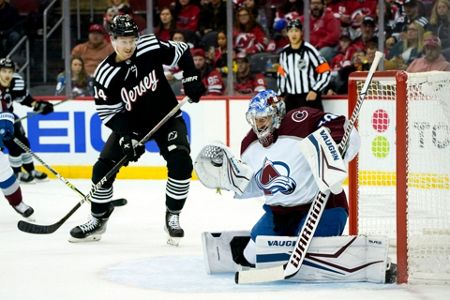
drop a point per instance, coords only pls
(265, 104)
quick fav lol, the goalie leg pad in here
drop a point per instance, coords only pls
(217, 252)
(329, 259)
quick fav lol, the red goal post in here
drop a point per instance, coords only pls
(399, 183)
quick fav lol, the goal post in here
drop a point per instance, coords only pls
(399, 184)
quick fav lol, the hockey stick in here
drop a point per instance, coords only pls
(117, 202)
(315, 212)
(38, 112)
(46, 229)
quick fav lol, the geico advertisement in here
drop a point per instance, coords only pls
(74, 134)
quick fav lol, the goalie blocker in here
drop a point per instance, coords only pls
(328, 259)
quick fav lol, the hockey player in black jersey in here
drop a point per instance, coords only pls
(12, 88)
(132, 95)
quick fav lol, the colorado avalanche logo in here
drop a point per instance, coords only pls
(299, 116)
(274, 177)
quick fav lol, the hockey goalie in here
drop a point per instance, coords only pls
(288, 158)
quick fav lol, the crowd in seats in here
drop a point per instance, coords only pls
(344, 31)
(11, 27)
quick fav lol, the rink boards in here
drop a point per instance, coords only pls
(71, 138)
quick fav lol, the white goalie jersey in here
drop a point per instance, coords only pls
(281, 172)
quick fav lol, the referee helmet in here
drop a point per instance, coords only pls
(295, 23)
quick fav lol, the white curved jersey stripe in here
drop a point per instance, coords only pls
(147, 43)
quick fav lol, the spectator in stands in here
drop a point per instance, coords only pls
(187, 15)
(166, 24)
(432, 59)
(289, 6)
(404, 52)
(212, 79)
(248, 35)
(339, 82)
(213, 17)
(81, 81)
(247, 83)
(10, 28)
(185, 36)
(345, 51)
(440, 22)
(412, 14)
(325, 29)
(367, 36)
(259, 12)
(119, 5)
(110, 13)
(96, 49)
(389, 43)
(342, 11)
(219, 56)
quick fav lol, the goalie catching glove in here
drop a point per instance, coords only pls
(217, 167)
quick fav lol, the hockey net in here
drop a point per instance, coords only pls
(399, 185)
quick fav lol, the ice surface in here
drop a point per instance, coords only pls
(132, 261)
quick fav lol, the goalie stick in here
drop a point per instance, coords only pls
(46, 229)
(306, 234)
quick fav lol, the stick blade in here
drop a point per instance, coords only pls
(27, 227)
(259, 275)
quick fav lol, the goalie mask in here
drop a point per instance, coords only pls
(264, 115)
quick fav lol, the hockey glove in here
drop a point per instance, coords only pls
(193, 87)
(131, 147)
(6, 127)
(43, 107)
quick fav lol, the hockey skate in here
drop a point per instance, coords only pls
(40, 176)
(173, 228)
(90, 231)
(24, 210)
(391, 272)
(24, 177)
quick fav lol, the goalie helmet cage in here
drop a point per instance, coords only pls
(399, 183)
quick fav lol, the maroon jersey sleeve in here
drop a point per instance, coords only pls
(304, 120)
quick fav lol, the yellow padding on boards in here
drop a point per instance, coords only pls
(85, 172)
(415, 180)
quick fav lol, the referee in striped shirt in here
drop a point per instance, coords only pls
(303, 73)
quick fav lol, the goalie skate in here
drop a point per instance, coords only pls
(173, 228)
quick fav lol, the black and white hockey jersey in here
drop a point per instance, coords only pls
(134, 95)
(16, 91)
